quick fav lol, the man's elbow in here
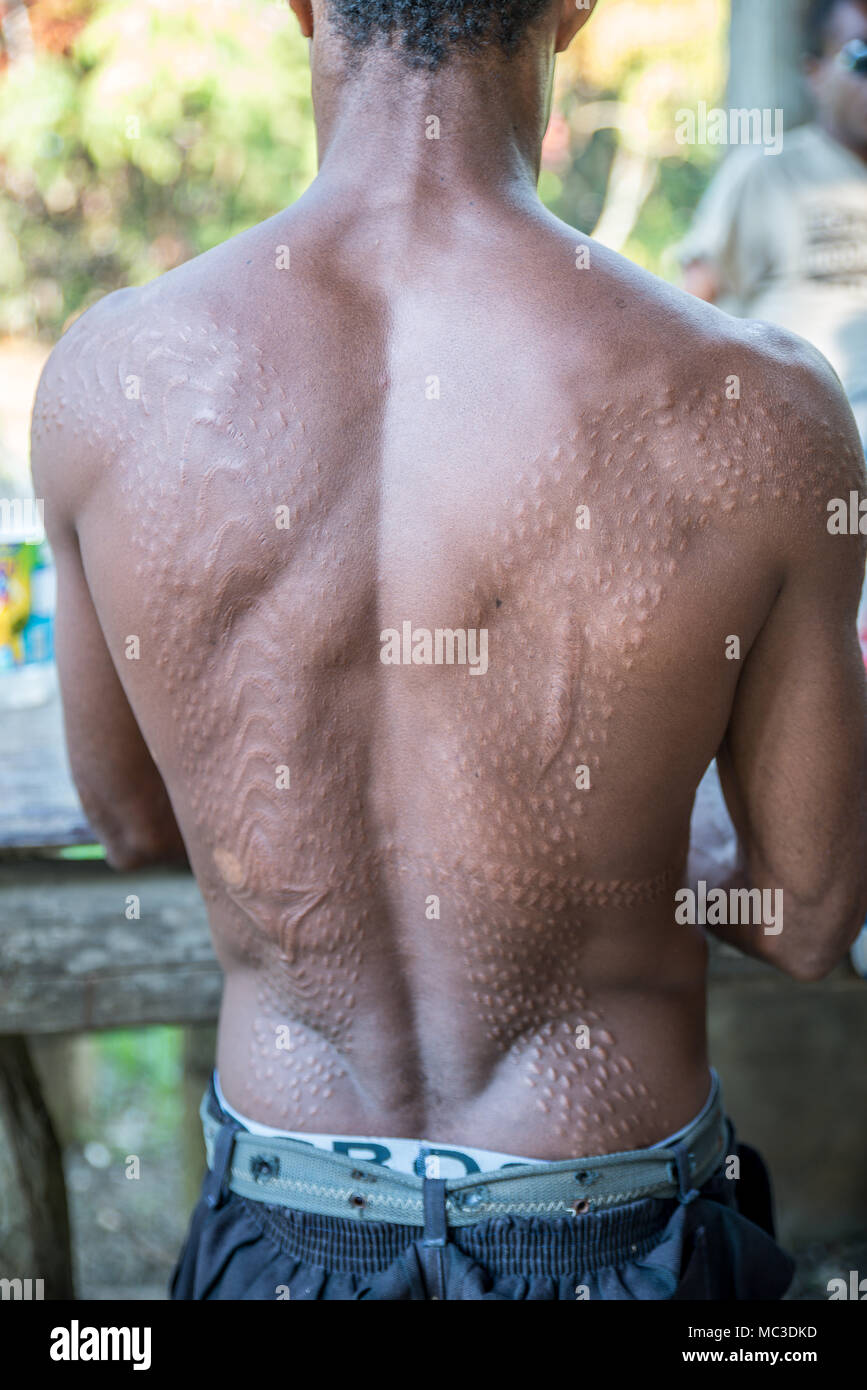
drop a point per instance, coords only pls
(127, 851)
(808, 968)
(818, 940)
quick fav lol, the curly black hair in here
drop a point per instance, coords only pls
(428, 31)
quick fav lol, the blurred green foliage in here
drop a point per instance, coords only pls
(136, 1070)
(164, 131)
(637, 63)
(168, 127)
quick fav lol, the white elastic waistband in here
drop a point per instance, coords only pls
(417, 1156)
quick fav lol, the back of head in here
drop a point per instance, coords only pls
(427, 32)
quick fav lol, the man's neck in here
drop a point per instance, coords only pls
(389, 133)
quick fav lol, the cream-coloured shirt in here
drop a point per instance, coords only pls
(787, 235)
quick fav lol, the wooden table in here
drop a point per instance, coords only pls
(39, 806)
(71, 961)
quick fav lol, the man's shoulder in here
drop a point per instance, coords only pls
(106, 319)
(779, 400)
(673, 341)
(84, 372)
(185, 299)
(703, 341)
(98, 386)
(792, 377)
(767, 403)
(72, 416)
(756, 389)
(132, 344)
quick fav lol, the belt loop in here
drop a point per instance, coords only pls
(216, 1185)
(686, 1193)
(434, 1198)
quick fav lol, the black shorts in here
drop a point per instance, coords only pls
(718, 1246)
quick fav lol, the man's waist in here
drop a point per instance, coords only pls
(293, 1172)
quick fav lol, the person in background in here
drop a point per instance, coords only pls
(784, 239)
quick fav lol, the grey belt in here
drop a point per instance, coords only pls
(289, 1173)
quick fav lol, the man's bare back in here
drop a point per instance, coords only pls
(356, 417)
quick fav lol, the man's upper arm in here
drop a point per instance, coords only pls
(120, 787)
(793, 763)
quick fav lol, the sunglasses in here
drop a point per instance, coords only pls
(854, 57)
